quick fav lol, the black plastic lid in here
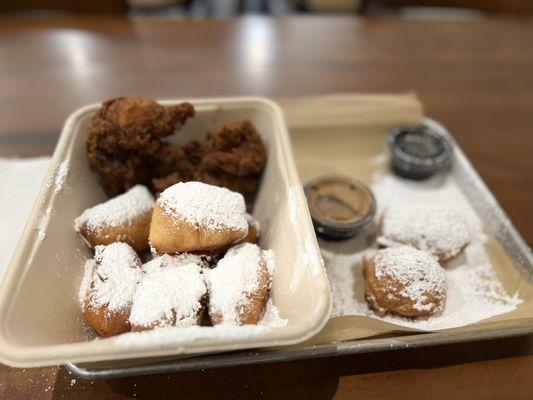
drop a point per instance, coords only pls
(418, 152)
(340, 206)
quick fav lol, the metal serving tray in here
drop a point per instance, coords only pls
(498, 225)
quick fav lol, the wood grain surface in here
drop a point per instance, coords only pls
(474, 76)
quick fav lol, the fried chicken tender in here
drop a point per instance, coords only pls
(125, 147)
(232, 156)
(124, 142)
(234, 149)
(141, 121)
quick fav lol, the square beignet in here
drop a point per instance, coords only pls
(170, 294)
(108, 286)
(238, 286)
(194, 216)
(125, 218)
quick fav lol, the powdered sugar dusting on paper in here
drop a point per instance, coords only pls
(205, 205)
(474, 292)
(118, 211)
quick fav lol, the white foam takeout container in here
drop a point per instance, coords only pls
(40, 318)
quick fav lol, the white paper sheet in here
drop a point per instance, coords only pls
(21, 179)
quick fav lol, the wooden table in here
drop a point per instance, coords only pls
(474, 76)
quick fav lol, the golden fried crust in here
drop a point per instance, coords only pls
(233, 157)
(384, 295)
(252, 310)
(252, 236)
(124, 147)
(141, 119)
(171, 234)
(236, 149)
(107, 324)
(124, 141)
(247, 186)
(134, 232)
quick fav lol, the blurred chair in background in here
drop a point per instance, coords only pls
(377, 6)
(73, 6)
(227, 8)
(328, 6)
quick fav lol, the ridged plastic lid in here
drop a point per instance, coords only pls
(418, 152)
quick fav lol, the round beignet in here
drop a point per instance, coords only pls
(194, 216)
(172, 295)
(238, 286)
(125, 218)
(108, 286)
(429, 227)
(404, 281)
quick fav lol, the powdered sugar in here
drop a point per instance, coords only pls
(419, 274)
(40, 223)
(474, 292)
(114, 278)
(185, 336)
(86, 281)
(169, 297)
(314, 258)
(117, 211)
(61, 176)
(293, 205)
(208, 206)
(271, 317)
(173, 261)
(237, 275)
(427, 226)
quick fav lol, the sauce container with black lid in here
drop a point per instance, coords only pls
(418, 152)
(339, 206)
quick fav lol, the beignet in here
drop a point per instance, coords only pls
(125, 218)
(108, 286)
(238, 286)
(194, 216)
(404, 281)
(429, 227)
